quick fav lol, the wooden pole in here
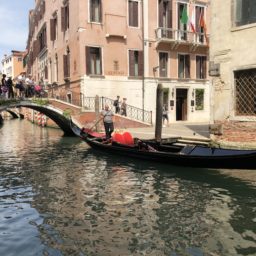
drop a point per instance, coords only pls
(97, 110)
(159, 113)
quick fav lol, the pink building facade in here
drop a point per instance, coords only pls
(95, 47)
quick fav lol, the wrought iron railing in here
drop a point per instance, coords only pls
(88, 102)
(181, 35)
(73, 98)
(131, 111)
(79, 99)
(245, 91)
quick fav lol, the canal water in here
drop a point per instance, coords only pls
(59, 197)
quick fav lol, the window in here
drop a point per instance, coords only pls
(135, 63)
(165, 18)
(65, 18)
(184, 66)
(199, 96)
(95, 11)
(201, 67)
(66, 64)
(163, 64)
(133, 13)
(200, 23)
(183, 20)
(93, 61)
(245, 92)
(245, 12)
(53, 28)
(42, 39)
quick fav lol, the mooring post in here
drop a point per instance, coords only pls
(97, 111)
(159, 112)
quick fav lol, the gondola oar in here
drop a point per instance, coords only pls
(96, 123)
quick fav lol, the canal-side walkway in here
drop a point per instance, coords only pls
(234, 134)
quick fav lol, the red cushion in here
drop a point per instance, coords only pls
(118, 138)
(128, 138)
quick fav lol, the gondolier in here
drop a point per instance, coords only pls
(107, 115)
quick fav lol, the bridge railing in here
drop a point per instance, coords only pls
(79, 99)
(74, 98)
(131, 111)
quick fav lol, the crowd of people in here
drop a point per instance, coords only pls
(19, 88)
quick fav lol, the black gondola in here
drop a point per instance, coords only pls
(170, 151)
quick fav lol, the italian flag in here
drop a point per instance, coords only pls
(192, 22)
(184, 16)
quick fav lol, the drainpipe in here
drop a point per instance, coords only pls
(143, 54)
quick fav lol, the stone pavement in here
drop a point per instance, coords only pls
(234, 134)
(188, 130)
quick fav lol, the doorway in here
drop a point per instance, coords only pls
(181, 104)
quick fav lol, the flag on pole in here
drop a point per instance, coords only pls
(184, 16)
(192, 22)
(201, 21)
(202, 25)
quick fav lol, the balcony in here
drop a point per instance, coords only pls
(177, 37)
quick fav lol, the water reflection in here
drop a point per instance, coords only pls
(71, 200)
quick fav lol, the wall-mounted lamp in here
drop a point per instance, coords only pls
(172, 92)
(155, 68)
(193, 93)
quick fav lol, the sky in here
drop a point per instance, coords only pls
(14, 25)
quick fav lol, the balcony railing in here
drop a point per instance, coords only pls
(175, 35)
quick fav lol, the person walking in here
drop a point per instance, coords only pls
(107, 115)
(9, 84)
(117, 104)
(4, 87)
(124, 107)
(165, 115)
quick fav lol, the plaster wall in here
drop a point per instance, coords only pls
(234, 49)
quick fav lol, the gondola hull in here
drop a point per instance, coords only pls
(235, 161)
(188, 155)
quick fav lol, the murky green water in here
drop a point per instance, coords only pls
(59, 197)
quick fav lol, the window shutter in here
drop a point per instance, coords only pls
(141, 63)
(92, 8)
(136, 14)
(63, 23)
(52, 29)
(68, 65)
(65, 65)
(204, 67)
(100, 11)
(169, 14)
(45, 72)
(197, 18)
(100, 56)
(87, 58)
(198, 67)
(130, 13)
(160, 13)
(187, 66)
(131, 63)
(43, 7)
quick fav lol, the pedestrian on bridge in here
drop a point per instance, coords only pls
(9, 85)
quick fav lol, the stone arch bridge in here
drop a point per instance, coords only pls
(57, 115)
